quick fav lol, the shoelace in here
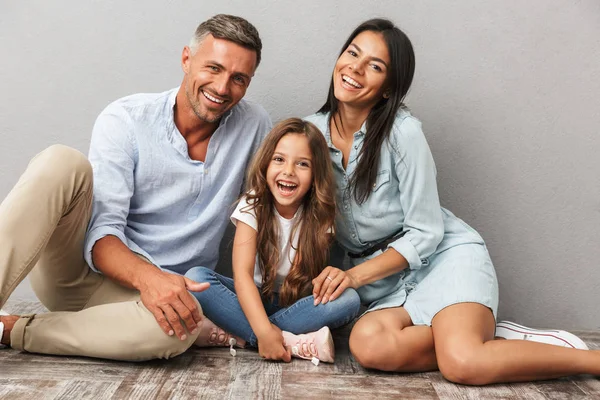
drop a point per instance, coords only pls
(219, 337)
(306, 349)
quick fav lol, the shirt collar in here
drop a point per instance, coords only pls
(173, 134)
(361, 132)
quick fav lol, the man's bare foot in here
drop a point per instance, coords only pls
(7, 322)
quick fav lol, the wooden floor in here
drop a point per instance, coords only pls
(214, 374)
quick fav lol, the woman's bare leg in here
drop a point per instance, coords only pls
(467, 352)
(387, 340)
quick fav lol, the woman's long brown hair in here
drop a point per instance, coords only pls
(382, 116)
(315, 222)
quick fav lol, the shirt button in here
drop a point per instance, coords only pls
(356, 146)
(374, 185)
(206, 171)
(353, 236)
(346, 206)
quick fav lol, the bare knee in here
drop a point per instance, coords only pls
(462, 366)
(370, 345)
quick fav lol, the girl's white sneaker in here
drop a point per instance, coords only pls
(510, 330)
(211, 335)
(311, 345)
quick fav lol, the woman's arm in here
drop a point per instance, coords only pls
(332, 282)
(270, 339)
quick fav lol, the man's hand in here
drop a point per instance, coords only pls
(166, 296)
(331, 283)
(270, 346)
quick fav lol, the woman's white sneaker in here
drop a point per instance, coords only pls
(510, 330)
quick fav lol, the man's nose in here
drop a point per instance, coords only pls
(221, 85)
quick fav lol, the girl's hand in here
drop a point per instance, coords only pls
(270, 346)
(331, 283)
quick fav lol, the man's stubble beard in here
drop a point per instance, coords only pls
(196, 109)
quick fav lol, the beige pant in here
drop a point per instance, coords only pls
(43, 222)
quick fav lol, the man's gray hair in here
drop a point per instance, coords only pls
(229, 27)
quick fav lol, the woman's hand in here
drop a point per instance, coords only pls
(270, 345)
(331, 283)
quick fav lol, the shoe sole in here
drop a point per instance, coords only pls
(329, 356)
(510, 330)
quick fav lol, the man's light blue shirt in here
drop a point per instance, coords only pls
(150, 194)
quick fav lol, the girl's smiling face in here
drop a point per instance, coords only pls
(289, 174)
(360, 73)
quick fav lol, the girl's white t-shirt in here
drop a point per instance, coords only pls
(287, 248)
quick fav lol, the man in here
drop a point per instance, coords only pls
(166, 169)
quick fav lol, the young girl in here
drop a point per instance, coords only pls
(284, 227)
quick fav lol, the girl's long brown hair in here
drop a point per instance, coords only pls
(315, 222)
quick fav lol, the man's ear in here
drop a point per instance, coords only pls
(186, 55)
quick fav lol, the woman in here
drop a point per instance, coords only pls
(425, 275)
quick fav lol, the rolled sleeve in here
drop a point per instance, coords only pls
(423, 220)
(96, 234)
(112, 155)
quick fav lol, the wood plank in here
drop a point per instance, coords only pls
(560, 389)
(25, 389)
(82, 390)
(451, 391)
(255, 379)
(588, 384)
(56, 371)
(388, 386)
(212, 373)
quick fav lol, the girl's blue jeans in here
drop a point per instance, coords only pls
(220, 304)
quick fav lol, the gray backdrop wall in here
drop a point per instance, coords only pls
(507, 92)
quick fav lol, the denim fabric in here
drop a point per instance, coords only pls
(150, 194)
(220, 304)
(448, 261)
(404, 196)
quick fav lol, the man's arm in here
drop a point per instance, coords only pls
(113, 154)
(165, 295)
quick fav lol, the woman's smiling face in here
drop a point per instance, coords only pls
(360, 73)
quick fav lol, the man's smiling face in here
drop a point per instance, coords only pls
(217, 76)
